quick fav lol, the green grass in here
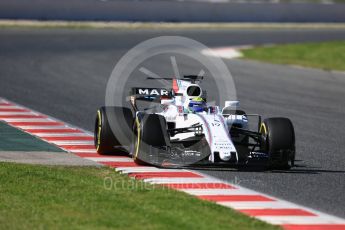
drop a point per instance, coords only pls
(323, 55)
(42, 197)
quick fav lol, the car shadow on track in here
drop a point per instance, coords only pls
(307, 170)
(297, 169)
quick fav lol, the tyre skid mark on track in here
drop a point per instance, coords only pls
(79, 142)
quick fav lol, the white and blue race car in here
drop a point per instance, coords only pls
(178, 128)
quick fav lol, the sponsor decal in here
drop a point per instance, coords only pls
(152, 91)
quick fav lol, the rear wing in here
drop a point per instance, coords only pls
(191, 78)
(149, 94)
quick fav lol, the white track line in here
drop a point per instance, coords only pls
(29, 126)
(9, 107)
(201, 192)
(72, 143)
(126, 170)
(16, 113)
(257, 204)
(26, 120)
(180, 180)
(280, 220)
(42, 127)
(110, 159)
(46, 135)
(82, 150)
(223, 52)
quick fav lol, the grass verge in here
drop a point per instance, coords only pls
(323, 55)
(41, 197)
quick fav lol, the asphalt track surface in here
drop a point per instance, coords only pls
(63, 73)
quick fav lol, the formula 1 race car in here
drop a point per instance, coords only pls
(181, 129)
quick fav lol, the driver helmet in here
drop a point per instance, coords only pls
(197, 104)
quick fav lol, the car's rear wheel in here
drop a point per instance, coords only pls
(113, 129)
(278, 140)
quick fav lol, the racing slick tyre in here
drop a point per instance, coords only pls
(151, 133)
(278, 140)
(106, 141)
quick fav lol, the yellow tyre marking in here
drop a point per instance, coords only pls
(263, 127)
(138, 139)
(99, 129)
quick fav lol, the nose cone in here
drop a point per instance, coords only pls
(225, 155)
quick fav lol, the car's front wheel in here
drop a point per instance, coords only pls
(278, 140)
